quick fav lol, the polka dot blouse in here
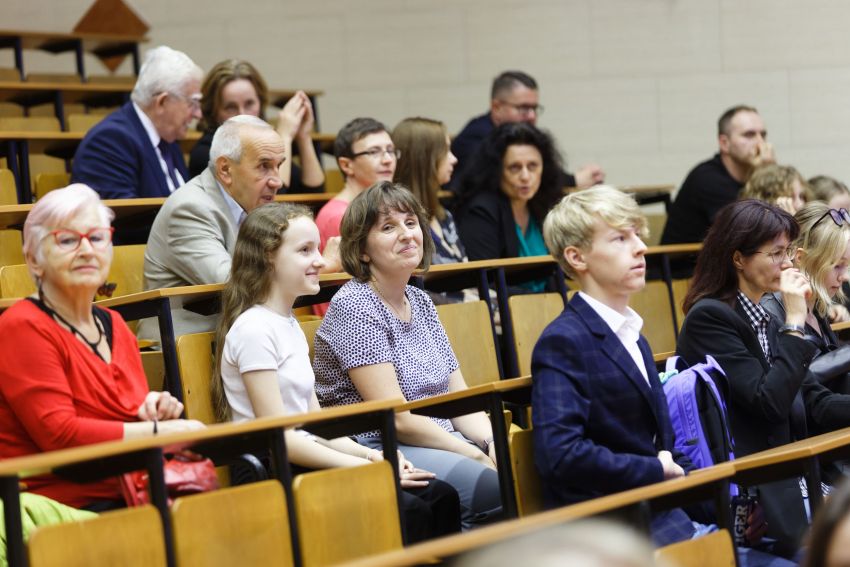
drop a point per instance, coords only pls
(360, 330)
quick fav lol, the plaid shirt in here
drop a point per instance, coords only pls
(758, 321)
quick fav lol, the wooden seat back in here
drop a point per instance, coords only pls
(128, 269)
(309, 328)
(47, 182)
(468, 327)
(15, 281)
(346, 513)
(530, 314)
(11, 247)
(526, 479)
(195, 359)
(8, 188)
(132, 538)
(82, 122)
(244, 525)
(711, 550)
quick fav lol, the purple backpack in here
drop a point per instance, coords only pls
(698, 411)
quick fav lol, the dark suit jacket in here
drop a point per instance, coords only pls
(765, 406)
(117, 160)
(598, 425)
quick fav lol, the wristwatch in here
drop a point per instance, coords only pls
(784, 329)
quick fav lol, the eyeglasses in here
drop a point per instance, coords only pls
(193, 100)
(839, 217)
(779, 256)
(378, 153)
(68, 240)
(525, 109)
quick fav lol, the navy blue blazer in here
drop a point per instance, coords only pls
(117, 159)
(598, 426)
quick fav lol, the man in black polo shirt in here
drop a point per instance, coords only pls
(717, 182)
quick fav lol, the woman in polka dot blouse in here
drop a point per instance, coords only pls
(381, 338)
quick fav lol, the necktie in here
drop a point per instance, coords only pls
(169, 161)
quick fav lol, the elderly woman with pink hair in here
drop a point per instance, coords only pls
(70, 372)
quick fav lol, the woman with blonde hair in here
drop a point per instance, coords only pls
(425, 165)
(822, 254)
(779, 185)
(234, 87)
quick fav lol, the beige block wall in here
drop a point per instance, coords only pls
(636, 85)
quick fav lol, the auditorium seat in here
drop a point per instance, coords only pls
(711, 550)
(309, 328)
(530, 314)
(15, 281)
(526, 480)
(131, 538)
(346, 513)
(468, 327)
(82, 122)
(8, 189)
(47, 182)
(244, 525)
(195, 358)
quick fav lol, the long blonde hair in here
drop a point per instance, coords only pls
(261, 234)
(824, 243)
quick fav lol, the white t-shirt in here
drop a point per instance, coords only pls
(261, 339)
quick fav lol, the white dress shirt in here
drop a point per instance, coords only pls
(627, 328)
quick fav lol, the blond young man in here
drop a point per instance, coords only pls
(599, 410)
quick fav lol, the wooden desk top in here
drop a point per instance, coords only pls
(196, 292)
(658, 188)
(15, 215)
(52, 41)
(840, 326)
(45, 462)
(63, 144)
(457, 544)
(673, 249)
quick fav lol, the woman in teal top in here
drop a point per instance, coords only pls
(514, 181)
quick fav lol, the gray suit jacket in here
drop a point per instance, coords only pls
(191, 243)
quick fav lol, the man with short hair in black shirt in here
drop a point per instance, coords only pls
(715, 183)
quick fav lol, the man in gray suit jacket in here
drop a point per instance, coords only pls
(194, 233)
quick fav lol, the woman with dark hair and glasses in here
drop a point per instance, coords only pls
(70, 372)
(822, 254)
(747, 254)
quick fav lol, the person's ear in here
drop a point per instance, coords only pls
(346, 166)
(723, 143)
(158, 103)
(224, 170)
(575, 259)
(799, 256)
(365, 258)
(33, 266)
(738, 260)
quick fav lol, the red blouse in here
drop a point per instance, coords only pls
(56, 393)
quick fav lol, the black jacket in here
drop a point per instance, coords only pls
(767, 403)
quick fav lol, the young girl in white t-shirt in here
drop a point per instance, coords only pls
(263, 363)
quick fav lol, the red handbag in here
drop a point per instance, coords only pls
(184, 474)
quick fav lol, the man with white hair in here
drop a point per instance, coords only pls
(192, 238)
(133, 152)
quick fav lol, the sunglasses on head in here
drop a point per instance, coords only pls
(839, 217)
